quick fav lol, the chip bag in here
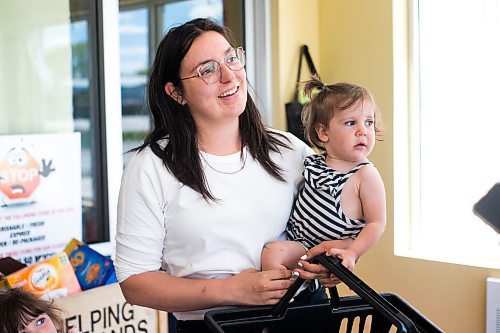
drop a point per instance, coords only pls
(48, 279)
(92, 269)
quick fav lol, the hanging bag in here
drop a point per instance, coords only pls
(293, 109)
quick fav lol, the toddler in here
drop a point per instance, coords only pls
(342, 203)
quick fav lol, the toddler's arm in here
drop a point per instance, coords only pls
(372, 197)
(281, 255)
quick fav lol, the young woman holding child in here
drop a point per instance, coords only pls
(208, 188)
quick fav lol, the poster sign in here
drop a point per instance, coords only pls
(40, 194)
(104, 310)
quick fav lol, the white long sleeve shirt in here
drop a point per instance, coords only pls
(164, 224)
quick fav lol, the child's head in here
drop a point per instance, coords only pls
(341, 109)
(23, 312)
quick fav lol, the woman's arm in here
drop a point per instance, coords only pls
(161, 291)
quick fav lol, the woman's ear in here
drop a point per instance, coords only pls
(173, 92)
(322, 133)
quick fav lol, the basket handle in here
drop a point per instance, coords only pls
(334, 265)
(389, 311)
(280, 308)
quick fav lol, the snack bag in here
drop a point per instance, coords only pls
(49, 279)
(8, 265)
(92, 269)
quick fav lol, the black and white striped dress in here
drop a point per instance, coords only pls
(317, 215)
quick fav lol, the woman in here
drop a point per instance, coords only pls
(208, 188)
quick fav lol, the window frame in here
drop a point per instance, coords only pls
(99, 119)
(409, 230)
(112, 131)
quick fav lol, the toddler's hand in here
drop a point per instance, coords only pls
(348, 256)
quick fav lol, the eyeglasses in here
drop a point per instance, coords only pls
(210, 72)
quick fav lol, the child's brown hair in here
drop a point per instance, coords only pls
(328, 100)
(18, 308)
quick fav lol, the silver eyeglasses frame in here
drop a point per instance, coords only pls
(212, 78)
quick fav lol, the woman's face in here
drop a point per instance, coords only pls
(218, 102)
(41, 324)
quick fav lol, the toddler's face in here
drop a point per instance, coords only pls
(350, 135)
(41, 324)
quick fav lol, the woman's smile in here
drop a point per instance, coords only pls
(229, 92)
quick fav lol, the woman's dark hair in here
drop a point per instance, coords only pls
(326, 100)
(18, 308)
(174, 122)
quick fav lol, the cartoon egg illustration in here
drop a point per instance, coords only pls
(43, 278)
(19, 175)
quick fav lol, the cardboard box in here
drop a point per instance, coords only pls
(104, 310)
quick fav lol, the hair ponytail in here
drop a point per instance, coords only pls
(313, 84)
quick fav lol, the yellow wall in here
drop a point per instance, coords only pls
(292, 28)
(353, 39)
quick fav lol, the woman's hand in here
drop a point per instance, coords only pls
(176, 294)
(252, 287)
(318, 271)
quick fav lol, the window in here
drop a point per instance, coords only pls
(183, 11)
(134, 63)
(446, 147)
(50, 84)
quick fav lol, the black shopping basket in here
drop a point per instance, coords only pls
(367, 312)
